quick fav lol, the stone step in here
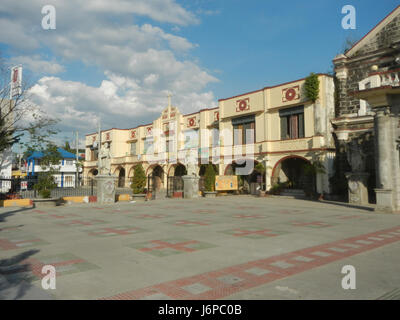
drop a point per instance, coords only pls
(295, 193)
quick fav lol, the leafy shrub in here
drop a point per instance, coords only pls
(45, 184)
(311, 87)
(209, 178)
(138, 180)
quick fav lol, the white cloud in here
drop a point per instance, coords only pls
(36, 64)
(141, 63)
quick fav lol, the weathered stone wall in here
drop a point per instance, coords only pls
(359, 66)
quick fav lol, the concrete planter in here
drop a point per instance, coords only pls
(210, 194)
(49, 202)
(139, 197)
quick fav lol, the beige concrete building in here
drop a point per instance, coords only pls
(276, 126)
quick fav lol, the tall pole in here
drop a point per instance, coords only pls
(98, 151)
(77, 159)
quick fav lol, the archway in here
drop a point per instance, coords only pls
(180, 170)
(291, 171)
(158, 176)
(175, 180)
(121, 178)
(250, 179)
(203, 167)
(92, 173)
(202, 172)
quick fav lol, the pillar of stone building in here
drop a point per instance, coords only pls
(357, 179)
(383, 146)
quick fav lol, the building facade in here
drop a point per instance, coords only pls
(66, 170)
(372, 62)
(276, 126)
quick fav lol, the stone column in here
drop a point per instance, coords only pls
(383, 144)
(190, 187)
(106, 188)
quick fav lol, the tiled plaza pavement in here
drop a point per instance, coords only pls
(236, 247)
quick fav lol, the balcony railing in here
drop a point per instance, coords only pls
(381, 79)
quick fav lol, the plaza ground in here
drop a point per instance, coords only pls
(234, 247)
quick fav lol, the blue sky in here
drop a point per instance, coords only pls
(119, 59)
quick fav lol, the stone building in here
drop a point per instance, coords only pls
(374, 61)
(277, 126)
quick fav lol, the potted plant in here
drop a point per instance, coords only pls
(138, 183)
(209, 182)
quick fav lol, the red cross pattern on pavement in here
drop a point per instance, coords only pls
(312, 223)
(244, 233)
(244, 216)
(84, 223)
(151, 216)
(58, 216)
(204, 211)
(180, 246)
(36, 266)
(115, 231)
(190, 222)
(8, 245)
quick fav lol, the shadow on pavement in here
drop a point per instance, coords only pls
(15, 276)
(349, 205)
(5, 215)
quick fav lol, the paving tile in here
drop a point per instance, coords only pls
(257, 271)
(338, 249)
(321, 254)
(282, 264)
(363, 242)
(229, 279)
(196, 288)
(303, 259)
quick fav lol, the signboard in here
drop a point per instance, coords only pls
(16, 81)
(226, 183)
(24, 185)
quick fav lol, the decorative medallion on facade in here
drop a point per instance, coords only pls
(191, 122)
(243, 105)
(108, 136)
(216, 116)
(133, 134)
(149, 131)
(291, 94)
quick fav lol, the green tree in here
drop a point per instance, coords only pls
(311, 87)
(209, 178)
(50, 160)
(138, 180)
(68, 148)
(260, 168)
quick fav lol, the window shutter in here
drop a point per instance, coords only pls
(294, 129)
(301, 125)
(283, 128)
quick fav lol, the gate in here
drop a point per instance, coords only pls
(175, 187)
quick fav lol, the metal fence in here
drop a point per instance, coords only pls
(12, 187)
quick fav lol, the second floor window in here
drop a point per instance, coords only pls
(243, 130)
(191, 139)
(214, 137)
(133, 149)
(292, 123)
(148, 146)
